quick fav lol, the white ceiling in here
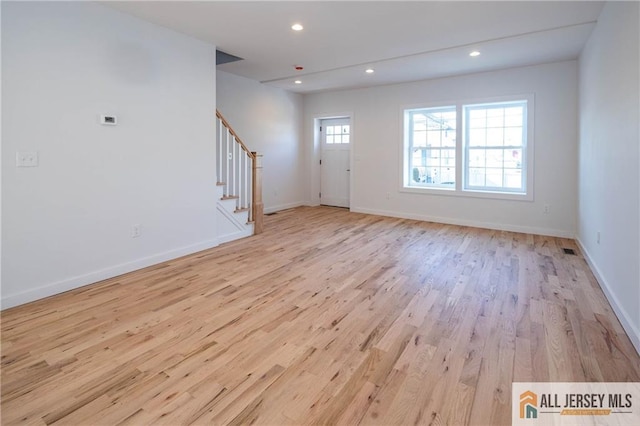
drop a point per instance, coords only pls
(401, 40)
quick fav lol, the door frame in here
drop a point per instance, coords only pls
(315, 177)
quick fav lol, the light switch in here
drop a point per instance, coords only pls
(27, 159)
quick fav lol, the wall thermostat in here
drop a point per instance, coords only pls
(109, 120)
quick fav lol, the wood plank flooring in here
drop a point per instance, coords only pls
(328, 317)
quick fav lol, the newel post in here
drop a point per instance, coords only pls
(257, 205)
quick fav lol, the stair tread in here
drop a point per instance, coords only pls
(221, 183)
(241, 209)
(230, 197)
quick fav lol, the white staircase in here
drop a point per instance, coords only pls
(239, 205)
(233, 222)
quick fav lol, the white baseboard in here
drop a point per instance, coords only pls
(475, 224)
(272, 209)
(102, 274)
(623, 316)
(247, 232)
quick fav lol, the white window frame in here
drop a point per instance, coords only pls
(460, 189)
(407, 178)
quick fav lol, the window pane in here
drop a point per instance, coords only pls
(433, 138)
(419, 122)
(434, 121)
(512, 158)
(417, 175)
(477, 137)
(448, 158)
(450, 118)
(494, 178)
(495, 137)
(476, 177)
(513, 120)
(431, 176)
(448, 176)
(495, 118)
(477, 123)
(513, 179)
(345, 138)
(477, 114)
(449, 138)
(476, 158)
(330, 130)
(433, 157)
(419, 138)
(513, 136)
(513, 116)
(345, 129)
(329, 138)
(494, 157)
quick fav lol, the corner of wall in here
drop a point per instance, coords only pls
(623, 316)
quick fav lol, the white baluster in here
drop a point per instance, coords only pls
(246, 180)
(251, 160)
(219, 146)
(240, 176)
(228, 182)
(233, 164)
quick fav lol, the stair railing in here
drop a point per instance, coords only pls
(239, 172)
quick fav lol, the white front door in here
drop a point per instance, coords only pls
(334, 164)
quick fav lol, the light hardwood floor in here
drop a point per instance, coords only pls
(329, 317)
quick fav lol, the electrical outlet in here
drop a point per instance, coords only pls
(547, 209)
(27, 159)
(135, 231)
(230, 156)
(109, 120)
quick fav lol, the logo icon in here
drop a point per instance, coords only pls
(528, 405)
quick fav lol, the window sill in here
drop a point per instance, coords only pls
(453, 192)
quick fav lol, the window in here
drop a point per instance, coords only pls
(479, 149)
(337, 134)
(495, 146)
(432, 147)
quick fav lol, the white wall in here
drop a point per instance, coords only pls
(68, 222)
(269, 121)
(377, 138)
(609, 161)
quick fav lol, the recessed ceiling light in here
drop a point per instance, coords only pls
(474, 53)
(297, 27)
(369, 70)
(298, 82)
